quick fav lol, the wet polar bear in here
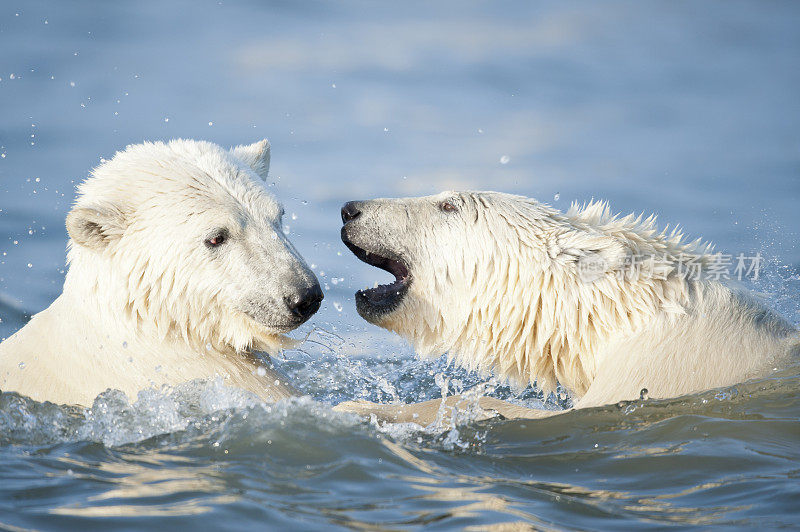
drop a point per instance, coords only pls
(179, 269)
(605, 306)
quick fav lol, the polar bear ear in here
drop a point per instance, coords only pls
(95, 228)
(256, 156)
(599, 253)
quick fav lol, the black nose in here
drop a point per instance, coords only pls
(304, 304)
(350, 211)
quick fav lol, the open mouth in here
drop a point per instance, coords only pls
(385, 297)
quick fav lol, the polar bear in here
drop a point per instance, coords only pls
(178, 269)
(505, 284)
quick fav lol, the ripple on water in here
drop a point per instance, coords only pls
(200, 448)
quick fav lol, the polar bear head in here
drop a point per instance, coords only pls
(506, 284)
(185, 239)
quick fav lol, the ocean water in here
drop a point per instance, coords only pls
(684, 109)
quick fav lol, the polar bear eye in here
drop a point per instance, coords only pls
(217, 240)
(446, 206)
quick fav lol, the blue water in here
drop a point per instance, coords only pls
(684, 109)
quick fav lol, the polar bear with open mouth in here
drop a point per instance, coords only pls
(179, 270)
(606, 306)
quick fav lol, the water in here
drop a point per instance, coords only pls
(683, 109)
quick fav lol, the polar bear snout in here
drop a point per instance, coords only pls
(305, 303)
(350, 211)
(362, 233)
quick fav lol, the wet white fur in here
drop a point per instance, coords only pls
(497, 286)
(145, 302)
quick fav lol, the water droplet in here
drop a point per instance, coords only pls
(337, 306)
(124, 345)
(504, 159)
(71, 83)
(557, 196)
(30, 265)
(22, 365)
(643, 395)
(211, 123)
(166, 119)
(261, 371)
